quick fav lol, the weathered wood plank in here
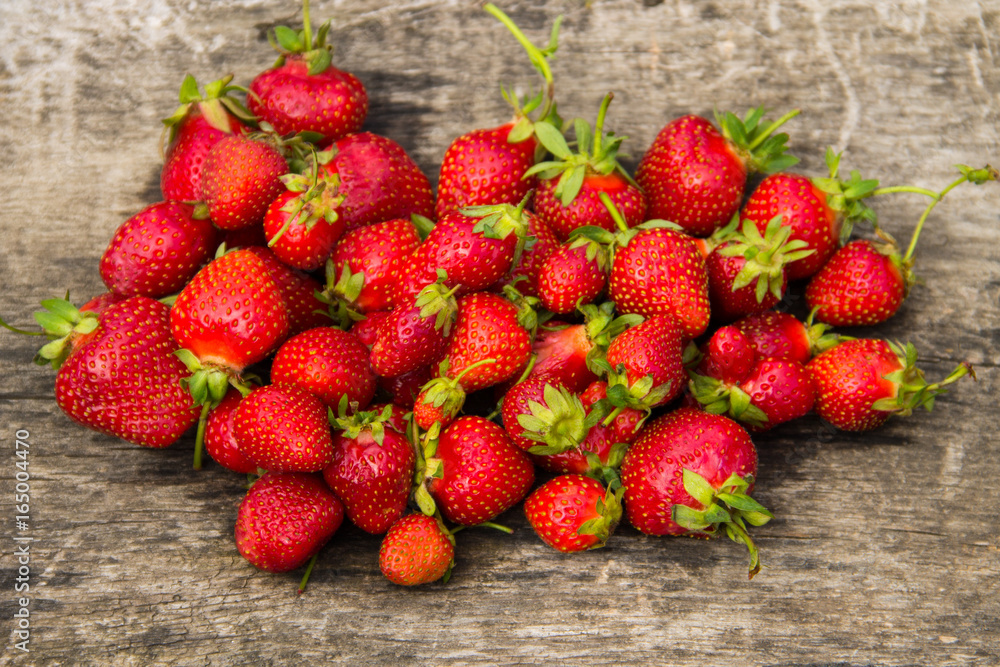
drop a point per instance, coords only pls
(883, 550)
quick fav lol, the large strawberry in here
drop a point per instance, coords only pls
(418, 549)
(476, 472)
(330, 363)
(197, 125)
(285, 519)
(568, 193)
(303, 91)
(694, 174)
(690, 472)
(241, 176)
(861, 383)
(284, 428)
(378, 179)
(573, 512)
(156, 251)
(372, 470)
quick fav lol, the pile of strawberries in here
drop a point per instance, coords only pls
(544, 328)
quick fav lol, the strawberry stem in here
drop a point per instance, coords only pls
(613, 210)
(496, 526)
(307, 29)
(199, 438)
(763, 136)
(305, 577)
(538, 57)
(599, 124)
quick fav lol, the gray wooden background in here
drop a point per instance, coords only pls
(885, 549)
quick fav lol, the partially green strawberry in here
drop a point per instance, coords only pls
(573, 512)
(285, 519)
(416, 550)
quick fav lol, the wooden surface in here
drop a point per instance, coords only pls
(884, 550)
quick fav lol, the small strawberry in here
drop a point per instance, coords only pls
(375, 251)
(690, 472)
(285, 519)
(378, 179)
(197, 125)
(418, 549)
(441, 398)
(568, 193)
(241, 176)
(574, 275)
(304, 92)
(301, 224)
(728, 356)
(284, 428)
(476, 472)
(695, 175)
(220, 436)
(415, 337)
(372, 470)
(329, 363)
(860, 383)
(573, 512)
(157, 251)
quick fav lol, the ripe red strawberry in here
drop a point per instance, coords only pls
(689, 472)
(303, 92)
(860, 383)
(284, 428)
(376, 251)
(285, 519)
(118, 373)
(220, 436)
(156, 251)
(695, 175)
(651, 358)
(231, 314)
(661, 271)
(483, 473)
(574, 275)
(561, 352)
(301, 224)
(415, 337)
(371, 471)
(305, 310)
(366, 330)
(573, 512)
(568, 195)
(378, 179)
(775, 335)
(329, 363)
(197, 125)
(240, 178)
(783, 390)
(541, 242)
(863, 283)
(728, 356)
(416, 550)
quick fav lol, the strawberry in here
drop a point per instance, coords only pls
(301, 224)
(488, 166)
(540, 416)
(415, 337)
(117, 371)
(746, 271)
(285, 519)
(197, 125)
(568, 192)
(241, 176)
(574, 275)
(330, 363)
(220, 436)
(860, 383)
(650, 356)
(728, 356)
(366, 329)
(695, 175)
(375, 251)
(418, 549)
(284, 428)
(482, 473)
(573, 512)
(305, 310)
(157, 251)
(372, 470)
(540, 242)
(403, 390)
(378, 179)
(441, 398)
(774, 335)
(690, 472)
(303, 91)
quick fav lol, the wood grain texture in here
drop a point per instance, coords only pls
(884, 550)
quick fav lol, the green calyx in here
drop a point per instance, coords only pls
(729, 507)
(846, 197)
(313, 49)
(353, 422)
(318, 199)
(912, 390)
(437, 301)
(498, 221)
(762, 149)
(528, 307)
(624, 234)
(63, 324)
(640, 395)
(596, 154)
(765, 255)
(558, 423)
(609, 509)
(820, 337)
(216, 104)
(340, 294)
(602, 327)
(718, 398)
